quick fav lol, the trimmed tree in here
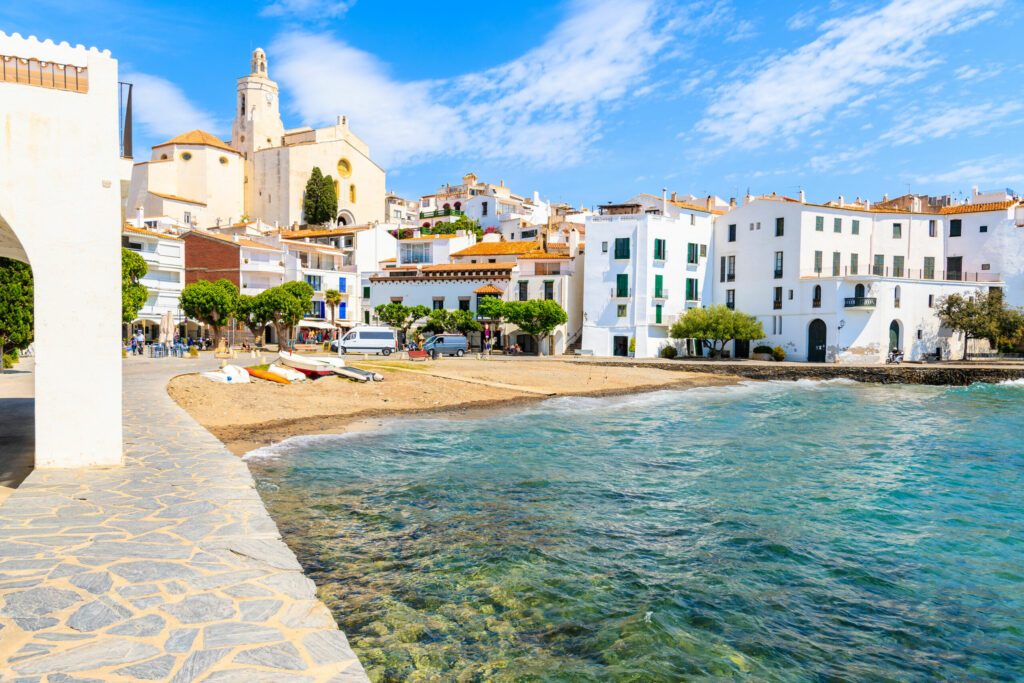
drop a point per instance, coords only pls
(536, 317)
(441, 320)
(16, 309)
(715, 326)
(253, 312)
(133, 294)
(401, 317)
(302, 293)
(320, 202)
(984, 315)
(211, 303)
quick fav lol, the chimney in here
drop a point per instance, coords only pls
(664, 201)
(867, 203)
(803, 197)
(842, 202)
(710, 202)
(574, 242)
(885, 197)
(673, 196)
(139, 217)
(732, 202)
(501, 183)
(536, 197)
(915, 205)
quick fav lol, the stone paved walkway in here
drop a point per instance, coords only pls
(168, 568)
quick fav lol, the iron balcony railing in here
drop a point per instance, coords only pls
(911, 274)
(860, 301)
(778, 273)
(441, 212)
(777, 305)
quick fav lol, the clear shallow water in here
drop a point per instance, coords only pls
(780, 531)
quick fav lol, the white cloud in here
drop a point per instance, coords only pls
(801, 20)
(308, 10)
(965, 73)
(544, 107)
(743, 30)
(162, 109)
(994, 170)
(796, 92)
(937, 123)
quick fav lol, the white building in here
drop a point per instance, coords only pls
(485, 203)
(643, 270)
(60, 211)
(262, 173)
(164, 255)
(842, 282)
(404, 212)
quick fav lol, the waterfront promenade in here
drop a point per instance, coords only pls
(168, 568)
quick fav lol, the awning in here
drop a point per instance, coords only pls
(316, 325)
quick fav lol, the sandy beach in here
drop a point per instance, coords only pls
(253, 415)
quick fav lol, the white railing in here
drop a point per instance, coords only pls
(663, 294)
(615, 293)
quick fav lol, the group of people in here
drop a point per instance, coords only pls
(136, 345)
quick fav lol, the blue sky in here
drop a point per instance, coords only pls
(594, 101)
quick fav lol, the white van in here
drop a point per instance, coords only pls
(368, 339)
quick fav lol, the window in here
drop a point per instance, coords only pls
(620, 311)
(983, 228)
(224, 160)
(659, 250)
(986, 266)
(344, 167)
(621, 247)
(780, 226)
(342, 285)
(604, 247)
(693, 219)
(692, 253)
(879, 267)
(929, 268)
(188, 218)
(659, 286)
(186, 156)
(549, 290)
(721, 269)
(835, 263)
(730, 269)
(897, 266)
(483, 212)
(778, 264)
(931, 301)
(352, 193)
(524, 290)
(955, 227)
(777, 298)
(732, 232)
(837, 225)
(854, 265)
(730, 299)
(954, 267)
(919, 334)
(366, 317)
(463, 303)
(438, 303)
(897, 231)
(817, 262)
(691, 289)
(896, 297)
(366, 292)
(703, 251)
(816, 301)
(791, 295)
(819, 223)
(855, 228)
(622, 285)
(315, 282)
(657, 314)
(933, 228)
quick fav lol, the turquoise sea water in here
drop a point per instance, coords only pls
(774, 531)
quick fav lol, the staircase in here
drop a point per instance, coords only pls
(575, 343)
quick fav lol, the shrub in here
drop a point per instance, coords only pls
(762, 348)
(10, 358)
(669, 352)
(778, 353)
(632, 344)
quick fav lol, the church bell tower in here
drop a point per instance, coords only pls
(257, 122)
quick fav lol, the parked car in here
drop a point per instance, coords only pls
(446, 345)
(367, 339)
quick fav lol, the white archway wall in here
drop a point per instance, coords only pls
(60, 197)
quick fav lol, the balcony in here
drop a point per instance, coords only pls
(777, 305)
(661, 293)
(862, 302)
(910, 274)
(778, 274)
(441, 212)
(666, 320)
(730, 277)
(616, 293)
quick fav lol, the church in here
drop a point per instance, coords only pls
(201, 181)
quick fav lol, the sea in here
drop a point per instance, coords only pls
(770, 531)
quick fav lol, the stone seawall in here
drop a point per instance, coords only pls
(881, 374)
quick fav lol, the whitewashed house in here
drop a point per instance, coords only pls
(164, 254)
(643, 270)
(841, 282)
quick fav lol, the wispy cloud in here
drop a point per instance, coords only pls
(801, 20)
(744, 29)
(933, 124)
(163, 110)
(544, 108)
(307, 10)
(994, 170)
(856, 55)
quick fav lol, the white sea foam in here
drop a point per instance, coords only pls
(1013, 382)
(294, 443)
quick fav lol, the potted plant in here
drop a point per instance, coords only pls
(762, 352)
(778, 354)
(632, 347)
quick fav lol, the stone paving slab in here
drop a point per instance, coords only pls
(168, 568)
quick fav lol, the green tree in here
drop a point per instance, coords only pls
(441, 320)
(211, 303)
(332, 298)
(461, 223)
(302, 293)
(536, 317)
(133, 294)
(437, 322)
(253, 312)
(715, 326)
(16, 308)
(984, 315)
(401, 317)
(492, 308)
(320, 202)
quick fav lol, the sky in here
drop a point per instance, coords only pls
(591, 102)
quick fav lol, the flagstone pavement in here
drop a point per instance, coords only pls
(168, 568)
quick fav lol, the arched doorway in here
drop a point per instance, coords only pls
(346, 218)
(858, 291)
(817, 337)
(894, 336)
(17, 390)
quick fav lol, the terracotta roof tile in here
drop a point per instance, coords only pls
(199, 137)
(488, 289)
(977, 208)
(460, 267)
(499, 249)
(151, 233)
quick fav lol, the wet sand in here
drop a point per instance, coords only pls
(250, 416)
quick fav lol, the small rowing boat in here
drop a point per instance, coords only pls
(311, 367)
(269, 376)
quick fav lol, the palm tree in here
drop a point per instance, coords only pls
(333, 298)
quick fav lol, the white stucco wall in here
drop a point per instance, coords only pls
(60, 186)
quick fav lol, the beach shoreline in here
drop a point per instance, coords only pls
(261, 414)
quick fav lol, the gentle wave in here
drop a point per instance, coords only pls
(294, 443)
